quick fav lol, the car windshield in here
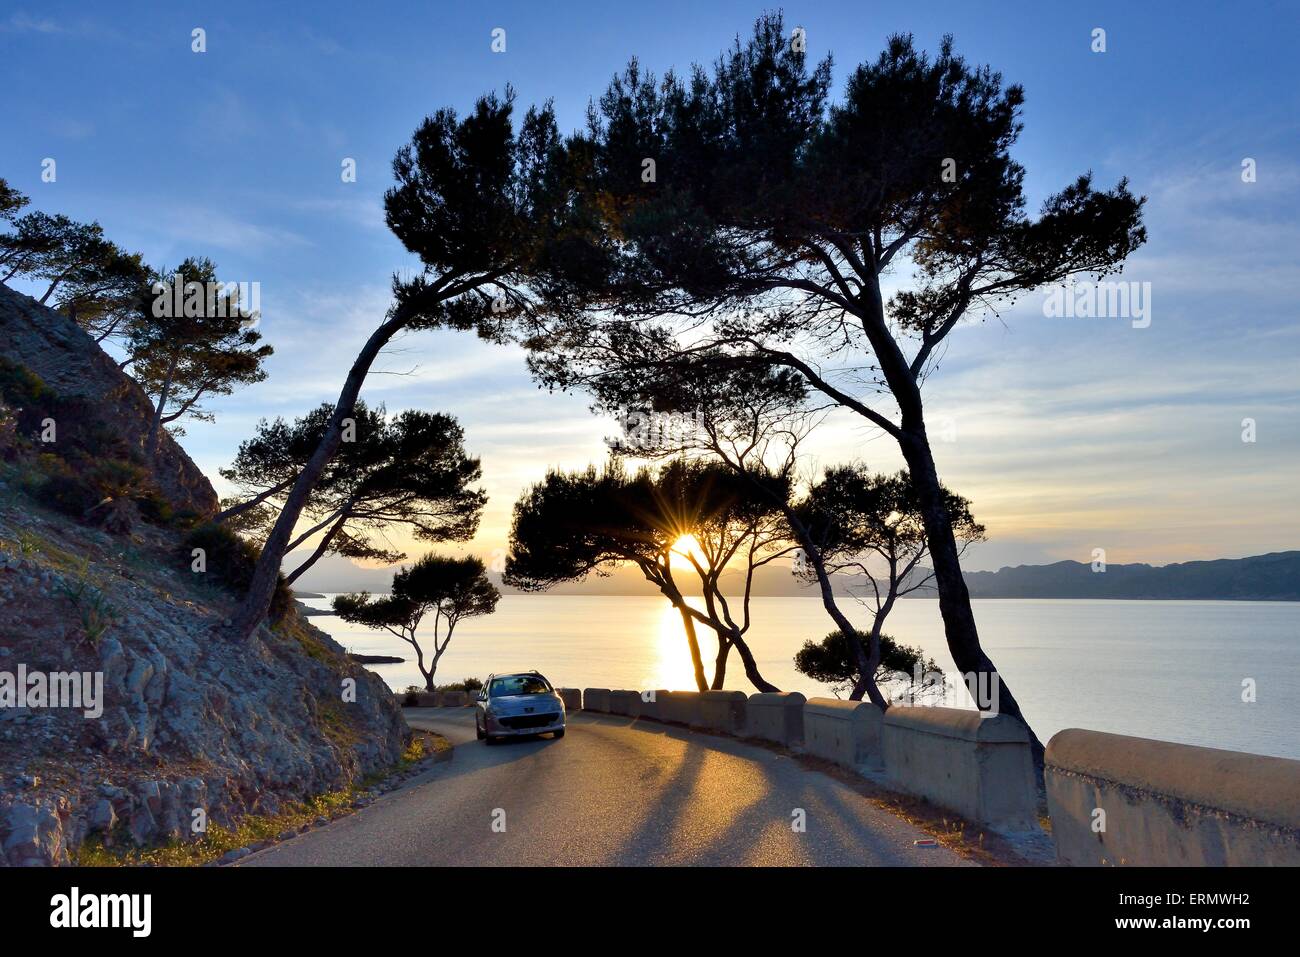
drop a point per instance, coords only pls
(518, 684)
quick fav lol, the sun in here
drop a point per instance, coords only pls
(687, 547)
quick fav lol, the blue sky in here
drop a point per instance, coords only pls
(1067, 434)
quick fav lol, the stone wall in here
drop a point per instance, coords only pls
(1120, 800)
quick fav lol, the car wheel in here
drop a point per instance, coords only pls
(559, 734)
(479, 732)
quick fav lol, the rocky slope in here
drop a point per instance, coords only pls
(68, 361)
(191, 725)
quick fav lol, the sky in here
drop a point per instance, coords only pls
(1067, 434)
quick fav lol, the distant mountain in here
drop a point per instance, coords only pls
(1271, 577)
(334, 573)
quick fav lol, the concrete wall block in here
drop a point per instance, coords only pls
(572, 698)
(595, 699)
(679, 707)
(776, 716)
(722, 711)
(626, 703)
(977, 766)
(846, 732)
(650, 704)
(1166, 804)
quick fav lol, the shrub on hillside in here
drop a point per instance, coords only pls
(90, 470)
(231, 561)
(68, 493)
(8, 433)
(19, 386)
(100, 492)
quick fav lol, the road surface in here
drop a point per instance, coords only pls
(611, 792)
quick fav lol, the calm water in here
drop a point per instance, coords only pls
(1168, 670)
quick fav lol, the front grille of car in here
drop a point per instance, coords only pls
(519, 722)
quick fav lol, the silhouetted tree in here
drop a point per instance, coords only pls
(11, 201)
(833, 661)
(100, 285)
(409, 470)
(748, 417)
(49, 247)
(107, 297)
(573, 524)
(773, 215)
(736, 523)
(872, 527)
(476, 203)
(449, 589)
(206, 350)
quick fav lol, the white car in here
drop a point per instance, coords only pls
(514, 705)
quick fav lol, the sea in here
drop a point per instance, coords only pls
(1217, 674)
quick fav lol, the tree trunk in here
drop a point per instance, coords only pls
(155, 427)
(419, 663)
(954, 597)
(53, 286)
(751, 666)
(720, 665)
(697, 662)
(437, 652)
(866, 683)
(258, 598)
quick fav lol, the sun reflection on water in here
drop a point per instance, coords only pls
(672, 666)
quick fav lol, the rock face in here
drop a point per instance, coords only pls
(71, 363)
(191, 728)
(192, 724)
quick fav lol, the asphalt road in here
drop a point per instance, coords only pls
(611, 792)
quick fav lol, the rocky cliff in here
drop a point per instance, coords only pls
(188, 726)
(55, 348)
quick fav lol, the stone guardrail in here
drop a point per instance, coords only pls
(595, 699)
(679, 707)
(626, 703)
(978, 766)
(1119, 800)
(846, 732)
(721, 711)
(572, 698)
(776, 716)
